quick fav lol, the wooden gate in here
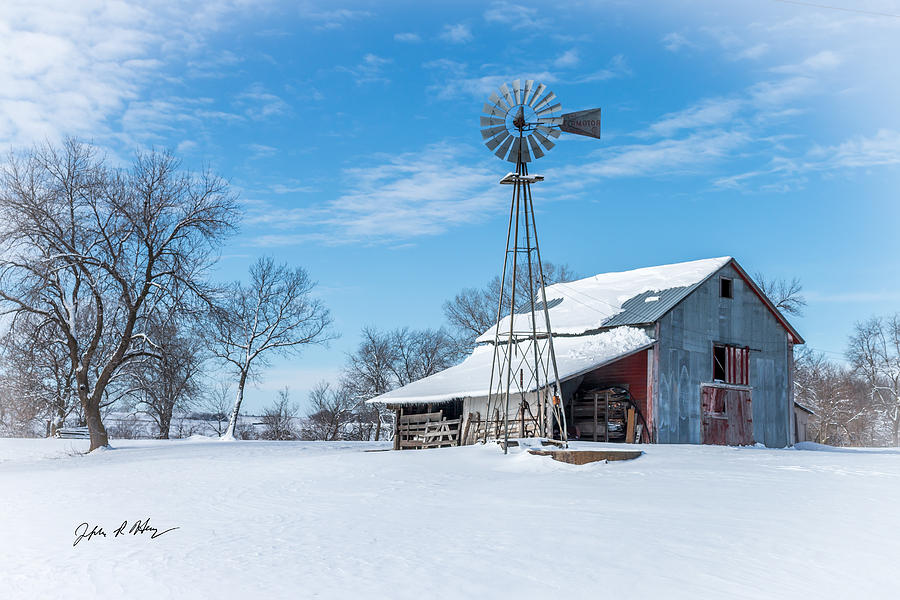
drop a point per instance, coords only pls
(427, 430)
(727, 416)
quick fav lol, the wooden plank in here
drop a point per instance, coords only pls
(421, 418)
(397, 429)
(629, 428)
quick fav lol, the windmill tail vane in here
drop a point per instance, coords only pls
(526, 399)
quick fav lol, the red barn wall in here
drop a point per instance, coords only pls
(630, 371)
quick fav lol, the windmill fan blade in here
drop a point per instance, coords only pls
(514, 152)
(516, 86)
(504, 147)
(546, 143)
(535, 148)
(550, 109)
(547, 131)
(537, 93)
(491, 121)
(495, 99)
(495, 141)
(547, 99)
(523, 150)
(493, 110)
(492, 131)
(529, 83)
(505, 91)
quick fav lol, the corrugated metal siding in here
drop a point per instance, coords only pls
(686, 337)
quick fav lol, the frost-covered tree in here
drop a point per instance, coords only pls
(85, 249)
(874, 352)
(274, 314)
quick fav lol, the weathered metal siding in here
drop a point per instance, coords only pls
(686, 337)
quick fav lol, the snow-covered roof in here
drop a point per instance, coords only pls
(613, 299)
(471, 378)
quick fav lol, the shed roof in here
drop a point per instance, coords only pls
(471, 378)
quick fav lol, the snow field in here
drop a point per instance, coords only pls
(329, 520)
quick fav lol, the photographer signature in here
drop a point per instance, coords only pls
(85, 531)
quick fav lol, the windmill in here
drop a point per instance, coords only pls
(517, 125)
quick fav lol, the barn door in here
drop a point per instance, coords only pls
(726, 416)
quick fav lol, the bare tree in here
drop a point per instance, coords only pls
(331, 415)
(88, 250)
(216, 403)
(874, 352)
(37, 378)
(474, 310)
(278, 419)
(842, 414)
(785, 295)
(275, 313)
(161, 384)
(385, 360)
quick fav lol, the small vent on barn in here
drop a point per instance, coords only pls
(539, 306)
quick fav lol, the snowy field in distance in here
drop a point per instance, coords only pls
(328, 520)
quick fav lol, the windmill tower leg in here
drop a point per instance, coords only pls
(528, 353)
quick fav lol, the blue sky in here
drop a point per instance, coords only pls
(761, 129)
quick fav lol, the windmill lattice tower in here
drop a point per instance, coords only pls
(524, 398)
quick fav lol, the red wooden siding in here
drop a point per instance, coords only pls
(726, 416)
(737, 365)
(630, 371)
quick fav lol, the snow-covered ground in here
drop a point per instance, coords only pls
(329, 520)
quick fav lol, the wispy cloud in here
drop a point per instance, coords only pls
(333, 19)
(456, 34)
(480, 87)
(673, 42)
(257, 103)
(821, 61)
(401, 198)
(616, 67)
(706, 113)
(753, 52)
(512, 15)
(78, 68)
(690, 155)
(410, 38)
(261, 150)
(370, 70)
(567, 59)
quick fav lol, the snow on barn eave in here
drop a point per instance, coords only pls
(576, 355)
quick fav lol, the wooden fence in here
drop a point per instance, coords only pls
(428, 430)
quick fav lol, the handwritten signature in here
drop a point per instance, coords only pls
(85, 531)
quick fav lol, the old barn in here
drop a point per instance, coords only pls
(691, 353)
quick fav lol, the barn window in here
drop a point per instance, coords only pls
(731, 364)
(726, 287)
